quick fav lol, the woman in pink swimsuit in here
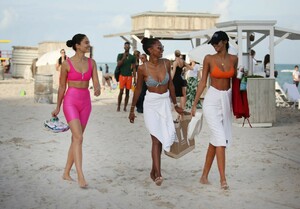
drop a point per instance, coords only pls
(76, 73)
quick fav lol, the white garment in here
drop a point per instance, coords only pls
(195, 125)
(296, 75)
(194, 72)
(217, 110)
(291, 91)
(158, 118)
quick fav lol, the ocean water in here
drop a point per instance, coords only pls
(284, 71)
(111, 66)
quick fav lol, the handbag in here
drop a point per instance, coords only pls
(183, 145)
(243, 84)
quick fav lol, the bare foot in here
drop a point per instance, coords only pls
(204, 180)
(67, 177)
(224, 185)
(118, 109)
(158, 181)
(82, 183)
(152, 175)
(124, 109)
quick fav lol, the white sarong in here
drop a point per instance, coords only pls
(158, 118)
(217, 110)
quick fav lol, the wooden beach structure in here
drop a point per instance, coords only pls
(166, 25)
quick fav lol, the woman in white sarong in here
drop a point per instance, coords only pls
(157, 105)
(217, 103)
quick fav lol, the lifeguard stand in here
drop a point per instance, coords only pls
(165, 25)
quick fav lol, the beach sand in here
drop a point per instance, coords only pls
(263, 164)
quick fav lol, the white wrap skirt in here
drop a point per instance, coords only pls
(158, 118)
(217, 110)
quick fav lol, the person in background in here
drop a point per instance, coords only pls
(59, 62)
(137, 54)
(33, 67)
(61, 59)
(140, 102)
(179, 82)
(75, 74)
(143, 58)
(106, 78)
(254, 61)
(221, 67)
(126, 64)
(157, 104)
(194, 75)
(296, 76)
(267, 65)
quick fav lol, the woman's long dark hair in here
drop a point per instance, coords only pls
(266, 60)
(59, 60)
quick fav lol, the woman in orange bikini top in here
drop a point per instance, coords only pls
(217, 102)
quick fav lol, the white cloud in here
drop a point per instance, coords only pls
(118, 21)
(8, 17)
(222, 7)
(171, 5)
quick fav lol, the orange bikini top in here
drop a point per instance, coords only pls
(218, 73)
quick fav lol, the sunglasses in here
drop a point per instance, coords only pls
(161, 48)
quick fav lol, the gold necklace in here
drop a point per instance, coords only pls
(222, 61)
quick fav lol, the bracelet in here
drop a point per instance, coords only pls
(97, 89)
(176, 105)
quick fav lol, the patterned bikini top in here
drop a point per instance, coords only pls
(153, 83)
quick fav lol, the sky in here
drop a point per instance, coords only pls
(27, 23)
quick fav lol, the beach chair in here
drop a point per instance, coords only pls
(292, 93)
(281, 98)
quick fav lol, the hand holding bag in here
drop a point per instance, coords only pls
(183, 145)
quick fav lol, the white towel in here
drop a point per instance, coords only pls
(217, 110)
(195, 125)
(291, 91)
(158, 118)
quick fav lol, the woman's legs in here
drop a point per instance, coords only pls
(220, 153)
(69, 164)
(75, 152)
(213, 151)
(156, 159)
(210, 155)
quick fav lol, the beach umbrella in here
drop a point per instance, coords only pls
(198, 53)
(50, 58)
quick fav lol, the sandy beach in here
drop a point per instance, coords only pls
(263, 164)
